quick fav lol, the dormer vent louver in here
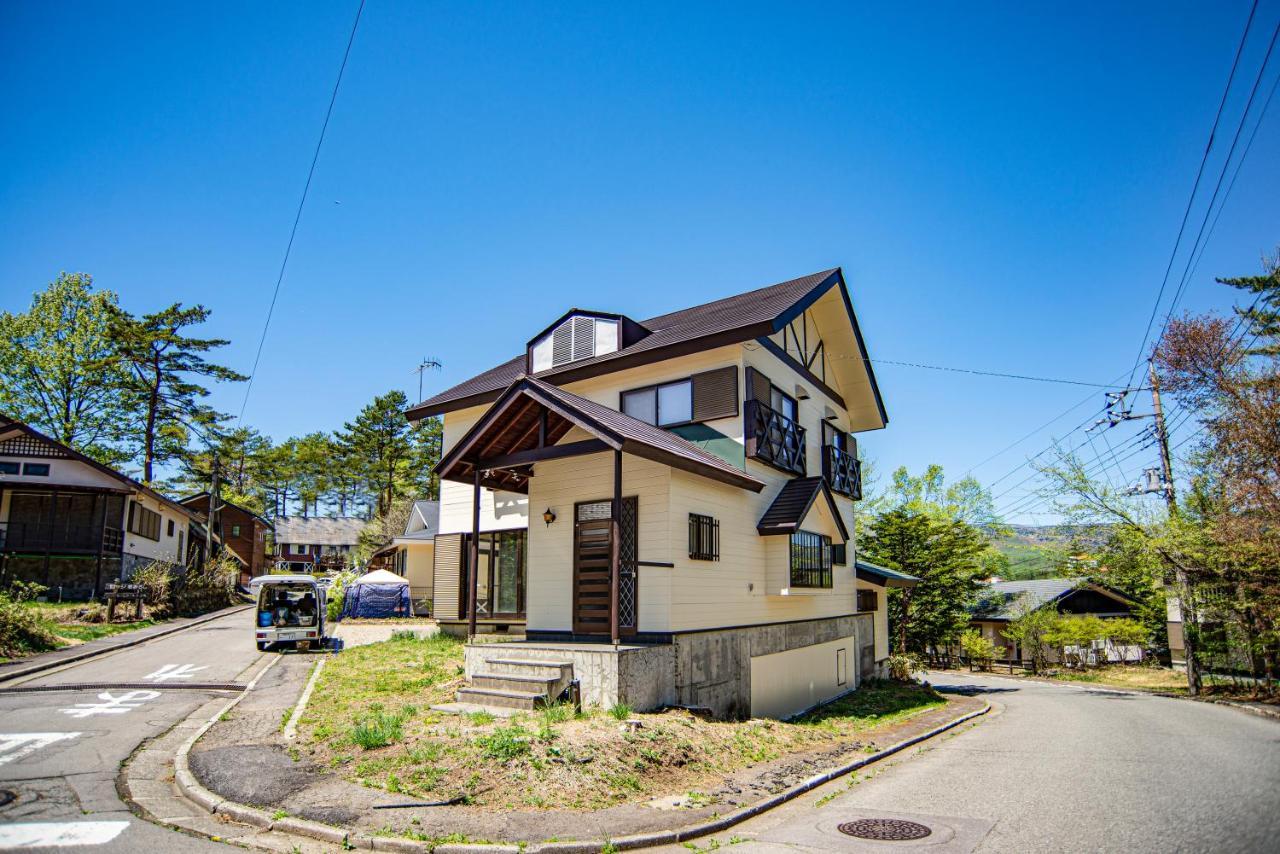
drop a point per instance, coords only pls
(576, 337)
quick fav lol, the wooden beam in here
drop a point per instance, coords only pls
(615, 547)
(550, 452)
(473, 562)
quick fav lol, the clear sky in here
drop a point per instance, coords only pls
(1002, 184)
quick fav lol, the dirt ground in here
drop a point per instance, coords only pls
(247, 759)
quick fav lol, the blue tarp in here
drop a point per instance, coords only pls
(377, 600)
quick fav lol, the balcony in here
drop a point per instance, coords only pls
(21, 536)
(774, 439)
(842, 471)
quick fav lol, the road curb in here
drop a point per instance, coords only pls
(192, 789)
(41, 667)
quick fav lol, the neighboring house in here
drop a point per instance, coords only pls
(412, 554)
(666, 506)
(74, 525)
(1004, 601)
(316, 543)
(243, 533)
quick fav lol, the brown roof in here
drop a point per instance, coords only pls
(727, 321)
(792, 504)
(506, 429)
(7, 423)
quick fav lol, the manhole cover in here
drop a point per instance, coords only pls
(888, 829)
(7, 797)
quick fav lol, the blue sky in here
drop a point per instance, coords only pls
(1001, 183)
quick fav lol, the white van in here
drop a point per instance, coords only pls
(290, 611)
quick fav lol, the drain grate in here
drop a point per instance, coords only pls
(7, 797)
(885, 829)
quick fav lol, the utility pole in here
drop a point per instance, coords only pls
(1162, 438)
(213, 509)
(1185, 602)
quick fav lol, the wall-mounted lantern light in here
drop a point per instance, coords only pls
(548, 516)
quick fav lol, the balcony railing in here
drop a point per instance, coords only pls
(843, 472)
(58, 537)
(774, 438)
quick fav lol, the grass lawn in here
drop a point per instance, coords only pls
(370, 720)
(1135, 677)
(64, 620)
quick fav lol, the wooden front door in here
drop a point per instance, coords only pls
(592, 549)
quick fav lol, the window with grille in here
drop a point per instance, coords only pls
(144, 522)
(867, 600)
(810, 560)
(704, 537)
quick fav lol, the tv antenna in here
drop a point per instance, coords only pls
(423, 367)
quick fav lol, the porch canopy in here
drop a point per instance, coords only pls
(523, 427)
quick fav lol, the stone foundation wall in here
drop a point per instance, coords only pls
(643, 677)
(702, 669)
(713, 669)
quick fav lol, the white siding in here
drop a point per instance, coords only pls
(559, 484)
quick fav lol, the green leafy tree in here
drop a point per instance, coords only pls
(979, 649)
(165, 368)
(278, 475)
(56, 373)
(378, 443)
(1128, 565)
(1027, 630)
(314, 455)
(241, 455)
(944, 554)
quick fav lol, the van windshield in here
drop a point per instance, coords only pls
(294, 605)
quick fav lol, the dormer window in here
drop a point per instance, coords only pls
(577, 336)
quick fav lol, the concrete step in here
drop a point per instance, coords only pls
(530, 667)
(526, 700)
(543, 685)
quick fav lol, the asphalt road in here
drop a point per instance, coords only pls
(1058, 768)
(60, 751)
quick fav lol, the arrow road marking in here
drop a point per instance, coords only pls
(15, 746)
(174, 671)
(111, 705)
(51, 834)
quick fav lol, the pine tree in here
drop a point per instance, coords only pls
(164, 366)
(378, 445)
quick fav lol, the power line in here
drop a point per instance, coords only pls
(1186, 214)
(293, 232)
(985, 373)
(1226, 164)
(1262, 115)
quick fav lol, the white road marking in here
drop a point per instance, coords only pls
(111, 705)
(174, 671)
(51, 834)
(20, 745)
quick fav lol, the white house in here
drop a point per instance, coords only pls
(664, 508)
(73, 524)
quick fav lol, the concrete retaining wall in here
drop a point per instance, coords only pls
(643, 677)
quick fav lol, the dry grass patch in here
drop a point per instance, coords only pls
(370, 721)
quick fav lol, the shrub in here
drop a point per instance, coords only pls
(21, 631)
(505, 743)
(979, 649)
(621, 711)
(903, 666)
(157, 580)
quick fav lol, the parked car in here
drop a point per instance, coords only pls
(291, 611)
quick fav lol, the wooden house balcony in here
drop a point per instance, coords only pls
(842, 471)
(774, 439)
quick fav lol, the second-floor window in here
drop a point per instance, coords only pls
(772, 429)
(664, 405)
(144, 522)
(701, 397)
